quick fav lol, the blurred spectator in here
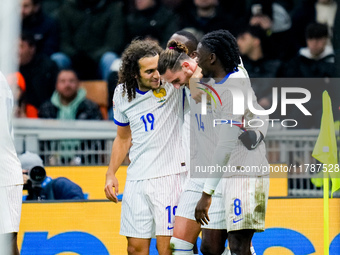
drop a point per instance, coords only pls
(314, 61)
(252, 45)
(207, 15)
(302, 15)
(147, 19)
(310, 11)
(172, 4)
(69, 101)
(92, 36)
(42, 187)
(273, 17)
(151, 20)
(51, 7)
(325, 14)
(43, 27)
(39, 72)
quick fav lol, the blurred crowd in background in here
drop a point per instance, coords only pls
(64, 42)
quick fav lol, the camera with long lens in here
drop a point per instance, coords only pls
(37, 176)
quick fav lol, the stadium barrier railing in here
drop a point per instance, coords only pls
(88, 143)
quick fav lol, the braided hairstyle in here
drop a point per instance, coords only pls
(224, 45)
(130, 67)
(172, 57)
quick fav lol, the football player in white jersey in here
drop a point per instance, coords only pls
(186, 228)
(146, 113)
(11, 181)
(177, 67)
(246, 195)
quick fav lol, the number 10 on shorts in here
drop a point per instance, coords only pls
(171, 214)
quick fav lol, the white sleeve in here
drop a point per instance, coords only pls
(118, 116)
(264, 118)
(228, 136)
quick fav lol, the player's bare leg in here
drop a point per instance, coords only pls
(240, 241)
(163, 245)
(185, 234)
(15, 250)
(138, 246)
(213, 241)
(8, 244)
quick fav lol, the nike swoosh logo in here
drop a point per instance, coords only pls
(169, 228)
(253, 146)
(235, 221)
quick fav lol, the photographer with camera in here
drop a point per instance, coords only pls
(42, 187)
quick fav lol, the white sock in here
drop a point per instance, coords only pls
(252, 250)
(181, 247)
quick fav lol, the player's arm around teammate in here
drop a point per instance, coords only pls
(178, 68)
(157, 171)
(120, 148)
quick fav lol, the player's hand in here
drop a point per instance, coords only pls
(201, 210)
(251, 138)
(111, 187)
(196, 94)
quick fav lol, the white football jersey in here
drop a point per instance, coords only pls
(241, 157)
(10, 167)
(153, 117)
(204, 139)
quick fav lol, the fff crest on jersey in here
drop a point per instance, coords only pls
(160, 94)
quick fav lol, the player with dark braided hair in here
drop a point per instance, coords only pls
(245, 192)
(227, 51)
(146, 114)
